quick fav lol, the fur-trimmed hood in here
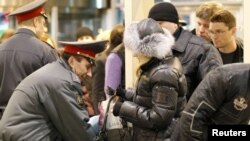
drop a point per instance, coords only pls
(154, 45)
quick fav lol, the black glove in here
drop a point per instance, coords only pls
(109, 91)
(121, 92)
(117, 108)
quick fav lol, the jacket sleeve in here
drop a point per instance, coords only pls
(71, 115)
(98, 84)
(205, 101)
(49, 55)
(113, 71)
(164, 100)
(209, 60)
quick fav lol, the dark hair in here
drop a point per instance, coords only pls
(116, 37)
(84, 31)
(225, 17)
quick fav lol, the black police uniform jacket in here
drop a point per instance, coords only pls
(20, 55)
(159, 95)
(44, 107)
(223, 97)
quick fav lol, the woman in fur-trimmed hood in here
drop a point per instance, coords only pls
(149, 39)
(159, 96)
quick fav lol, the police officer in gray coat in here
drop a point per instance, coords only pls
(47, 105)
(23, 53)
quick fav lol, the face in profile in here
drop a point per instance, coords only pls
(80, 66)
(202, 26)
(220, 34)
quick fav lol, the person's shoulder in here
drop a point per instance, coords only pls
(101, 56)
(43, 45)
(113, 56)
(169, 68)
(113, 60)
(171, 62)
(200, 42)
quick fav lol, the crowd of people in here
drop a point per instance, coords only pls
(186, 80)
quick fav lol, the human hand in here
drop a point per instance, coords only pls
(121, 92)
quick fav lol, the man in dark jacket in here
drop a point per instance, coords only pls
(47, 105)
(23, 53)
(222, 30)
(221, 98)
(197, 56)
(203, 13)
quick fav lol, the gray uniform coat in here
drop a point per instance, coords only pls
(44, 107)
(21, 55)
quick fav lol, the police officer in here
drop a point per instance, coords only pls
(47, 105)
(23, 53)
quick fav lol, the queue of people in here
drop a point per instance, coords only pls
(186, 80)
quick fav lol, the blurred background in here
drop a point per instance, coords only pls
(65, 16)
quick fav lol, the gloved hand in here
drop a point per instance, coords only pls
(117, 108)
(121, 92)
(109, 91)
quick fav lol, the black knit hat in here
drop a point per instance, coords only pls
(164, 11)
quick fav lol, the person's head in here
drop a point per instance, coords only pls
(203, 13)
(6, 34)
(80, 55)
(32, 15)
(166, 15)
(84, 34)
(116, 36)
(222, 28)
(147, 38)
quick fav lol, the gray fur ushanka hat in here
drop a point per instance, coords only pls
(149, 39)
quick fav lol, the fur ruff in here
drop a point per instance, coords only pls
(155, 45)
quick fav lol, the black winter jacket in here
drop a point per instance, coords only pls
(157, 99)
(223, 97)
(197, 56)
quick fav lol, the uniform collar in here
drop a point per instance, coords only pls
(66, 66)
(26, 31)
(182, 38)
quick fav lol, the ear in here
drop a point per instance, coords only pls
(71, 61)
(234, 30)
(36, 21)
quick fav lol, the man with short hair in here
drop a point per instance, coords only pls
(222, 30)
(203, 13)
(23, 53)
(47, 105)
